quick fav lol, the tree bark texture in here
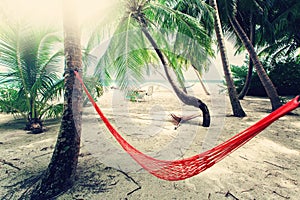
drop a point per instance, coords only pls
(235, 103)
(265, 80)
(60, 174)
(186, 99)
(201, 81)
(246, 87)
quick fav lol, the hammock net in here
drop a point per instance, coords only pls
(188, 167)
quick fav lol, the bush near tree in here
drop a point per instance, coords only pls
(284, 74)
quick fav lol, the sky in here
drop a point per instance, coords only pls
(45, 11)
(41, 11)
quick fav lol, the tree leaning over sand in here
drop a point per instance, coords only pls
(277, 29)
(60, 174)
(129, 51)
(230, 9)
(187, 99)
(265, 80)
(251, 34)
(249, 14)
(235, 103)
(204, 15)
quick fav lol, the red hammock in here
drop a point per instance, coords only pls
(188, 167)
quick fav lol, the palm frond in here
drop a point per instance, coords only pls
(52, 111)
(174, 20)
(183, 34)
(32, 59)
(186, 34)
(126, 55)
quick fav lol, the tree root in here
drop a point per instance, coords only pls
(9, 164)
(130, 178)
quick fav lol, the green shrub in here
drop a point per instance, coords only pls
(10, 101)
(285, 75)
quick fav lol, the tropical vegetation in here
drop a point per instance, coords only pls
(267, 25)
(158, 33)
(174, 34)
(235, 103)
(285, 75)
(31, 84)
(61, 172)
(31, 80)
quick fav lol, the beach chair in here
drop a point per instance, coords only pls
(149, 91)
(142, 94)
(139, 95)
(136, 95)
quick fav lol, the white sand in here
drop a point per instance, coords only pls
(267, 167)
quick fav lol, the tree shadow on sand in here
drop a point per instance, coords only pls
(93, 180)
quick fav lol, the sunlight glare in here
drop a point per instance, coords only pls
(42, 11)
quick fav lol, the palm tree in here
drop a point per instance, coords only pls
(279, 36)
(129, 50)
(235, 103)
(60, 174)
(266, 81)
(248, 14)
(203, 13)
(230, 12)
(246, 87)
(269, 25)
(31, 80)
(201, 81)
(247, 18)
(189, 100)
(89, 60)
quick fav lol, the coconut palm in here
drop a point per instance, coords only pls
(235, 103)
(279, 36)
(249, 13)
(201, 81)
(60, 174)
(151, 32)
(273, 23)
(93, 84)
(203, 14)
(246, 87)
(31, 81)
(266, 81)
(230, 11)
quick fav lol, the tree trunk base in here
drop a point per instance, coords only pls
(35, 126)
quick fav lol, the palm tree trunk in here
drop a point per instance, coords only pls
(60, 174)
(265, 80)
(201, 82)
(189, 100)
(235, 103)
(246, 87)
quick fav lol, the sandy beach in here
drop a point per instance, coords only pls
(267, 167)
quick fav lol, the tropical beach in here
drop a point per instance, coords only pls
(149, 99)
(267, 167)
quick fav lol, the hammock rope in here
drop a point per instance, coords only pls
(188, 167)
